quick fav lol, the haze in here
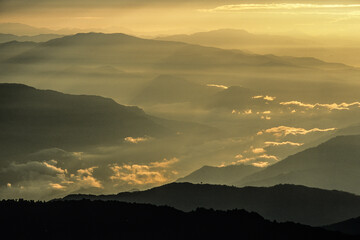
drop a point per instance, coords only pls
(108, 96)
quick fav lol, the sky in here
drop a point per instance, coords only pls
(334, 17)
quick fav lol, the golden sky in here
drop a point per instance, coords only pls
(315, 17)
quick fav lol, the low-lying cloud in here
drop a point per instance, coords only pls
(284, 131)
(266, 97)
(280, 7)
(136, 140)
(217, 85)
(140, 174)
(283, 143)
(331, 106)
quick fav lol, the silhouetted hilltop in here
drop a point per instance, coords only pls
(32, 119)
(219, 175)
(36, 38)
(113, 220)
(334, 164)
(301, 204)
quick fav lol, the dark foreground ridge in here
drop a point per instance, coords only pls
(351, 226)
(117, 220)
(310, 206)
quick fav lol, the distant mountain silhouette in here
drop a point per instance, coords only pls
(32, 119)
(334, 164)
(116, 220)
(14, 48)
(235, 38)
(301, 204)
(37, 38)
(22, 29)
(219, 175)
(143, 54)
(351, 226)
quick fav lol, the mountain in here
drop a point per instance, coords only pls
(234, 38)
(114, 220)
(135, 53)
(37, 38)
(32, 119)
(219, 175)
(14, 48)
(169, 89)
(301, 204)
(22, 29)
(351, 226)
(334, 164)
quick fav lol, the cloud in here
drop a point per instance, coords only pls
(259, 157)
(331, 106)
(258, 150)
(260, 164)
(283, 143)
(40, 180)
(266, 117)
(85, 179)
(141, 174)
(284, 131)
(164, 164)
(245, 112)
(244, 160)
(280, 7)
(248, 112)
(32, 170)
(266, 156)
(218, 86)
(136, 140)
(57, 186)
(267, 98)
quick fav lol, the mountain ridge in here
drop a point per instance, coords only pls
(331, 165)
(281, 202)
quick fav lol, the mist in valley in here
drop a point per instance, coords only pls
(101, 109)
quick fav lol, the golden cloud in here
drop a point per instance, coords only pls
(269, 157)
(218, 86)
(278, 6)
(283, 143)
(331, 106)
(258, 150)
(267, 98)
(261, 164)
(140, 174)
(136, 140)
(284, 131)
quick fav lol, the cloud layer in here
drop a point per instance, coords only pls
(284, 131)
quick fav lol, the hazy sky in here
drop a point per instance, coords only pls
(167, 16)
